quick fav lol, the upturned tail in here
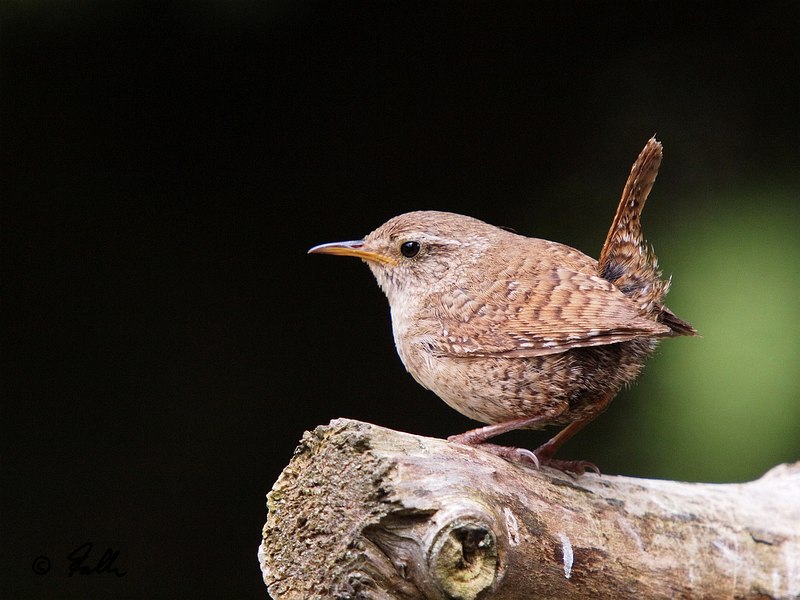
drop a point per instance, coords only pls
(626, 260)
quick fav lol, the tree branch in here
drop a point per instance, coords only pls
(367, 512)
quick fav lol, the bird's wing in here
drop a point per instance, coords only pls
(554, 312)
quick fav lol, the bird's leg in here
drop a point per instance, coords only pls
(473, 437)
(545, 452)
(543, 455)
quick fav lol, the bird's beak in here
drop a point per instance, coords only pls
(354, 248)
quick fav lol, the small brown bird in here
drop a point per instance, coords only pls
(520, 332)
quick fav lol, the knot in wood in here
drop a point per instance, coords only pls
(463, 558)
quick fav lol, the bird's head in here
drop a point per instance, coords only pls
(418, 252)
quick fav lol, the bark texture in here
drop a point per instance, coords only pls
(366, 512)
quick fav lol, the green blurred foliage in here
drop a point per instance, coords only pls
(726, 406)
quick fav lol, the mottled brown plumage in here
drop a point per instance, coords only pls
(520, 332)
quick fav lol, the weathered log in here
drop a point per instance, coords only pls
(366, 512)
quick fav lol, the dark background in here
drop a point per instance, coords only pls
(165, 166)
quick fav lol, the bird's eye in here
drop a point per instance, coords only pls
(409, 249)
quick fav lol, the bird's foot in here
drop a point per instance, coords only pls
(512, 454)
(525, 457)
(546, 451)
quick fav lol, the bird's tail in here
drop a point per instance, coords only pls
(626, 260)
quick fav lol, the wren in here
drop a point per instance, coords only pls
(519, 332)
